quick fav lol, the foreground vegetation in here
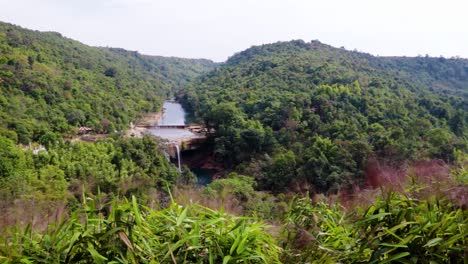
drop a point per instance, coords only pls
(32, 185)
(398, 227)
(84, 210)
(135, 234)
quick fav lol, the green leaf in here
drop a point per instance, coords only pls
(433, 242)
(372, 217)
(241, 247)
(26, 261)
(136, 211)
(393, 245)
(98, 258)
(182, 216)
(226, 259)
(395, 257)
(449, 242)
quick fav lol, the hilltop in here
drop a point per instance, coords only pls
(441, 74)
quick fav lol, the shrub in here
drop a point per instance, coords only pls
(397, 228)
(128, 233)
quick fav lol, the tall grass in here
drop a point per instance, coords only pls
(403, 228)
(319, 233)
(423, 220)
(398, 228)
(130, 233)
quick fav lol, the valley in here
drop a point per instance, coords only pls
(289, 152)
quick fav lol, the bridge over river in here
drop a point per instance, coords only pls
(171, 126)
(193, 128)
(167, 126)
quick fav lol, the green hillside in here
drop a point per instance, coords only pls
(384, 138)
(321, 113)
(422, 73)
(49, 82)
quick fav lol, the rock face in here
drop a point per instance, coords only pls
(202, 158)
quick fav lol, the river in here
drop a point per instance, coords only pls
(175, 115)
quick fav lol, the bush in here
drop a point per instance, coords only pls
(397, 228)
(129, 233)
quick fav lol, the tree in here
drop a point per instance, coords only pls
(14, 178)
(110, 72)
(50, 139)
(440, 143)
(224, 115)
(327, 165)
(52, 183)
(281, 171)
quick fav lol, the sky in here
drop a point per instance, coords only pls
(216, 29)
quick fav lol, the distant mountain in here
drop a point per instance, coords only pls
(178, 72)
(321, 112)
(52, 83)
(435, 74)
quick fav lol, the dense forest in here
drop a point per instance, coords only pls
(54, 84)
(308, 114)
(328, 156)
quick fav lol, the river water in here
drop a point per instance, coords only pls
(173, 115)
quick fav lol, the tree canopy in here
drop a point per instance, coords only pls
(50, 83)
(330, 109)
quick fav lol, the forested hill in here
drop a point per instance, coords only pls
(52, 83)
(178, 72)
(436, 74)
(322, 113)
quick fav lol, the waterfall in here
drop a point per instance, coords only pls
(178, 156)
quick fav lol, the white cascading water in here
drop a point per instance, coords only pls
(178, 156)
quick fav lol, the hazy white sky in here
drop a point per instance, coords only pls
(215, 29)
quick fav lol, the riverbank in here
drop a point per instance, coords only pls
(139, 129)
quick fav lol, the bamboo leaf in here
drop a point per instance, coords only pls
(235, 244)
(136, 211)
(98, 258)
(433, 242)
(454, 238)
(182, 216)
(226, 259)
(240, 247)
(376, 216)
(126, 241)
(395, 257)
(393, 245)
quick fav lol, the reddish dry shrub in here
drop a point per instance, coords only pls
(421, 179)
(191, 195)
(37, 213)
(459, 195)
(383, 175)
